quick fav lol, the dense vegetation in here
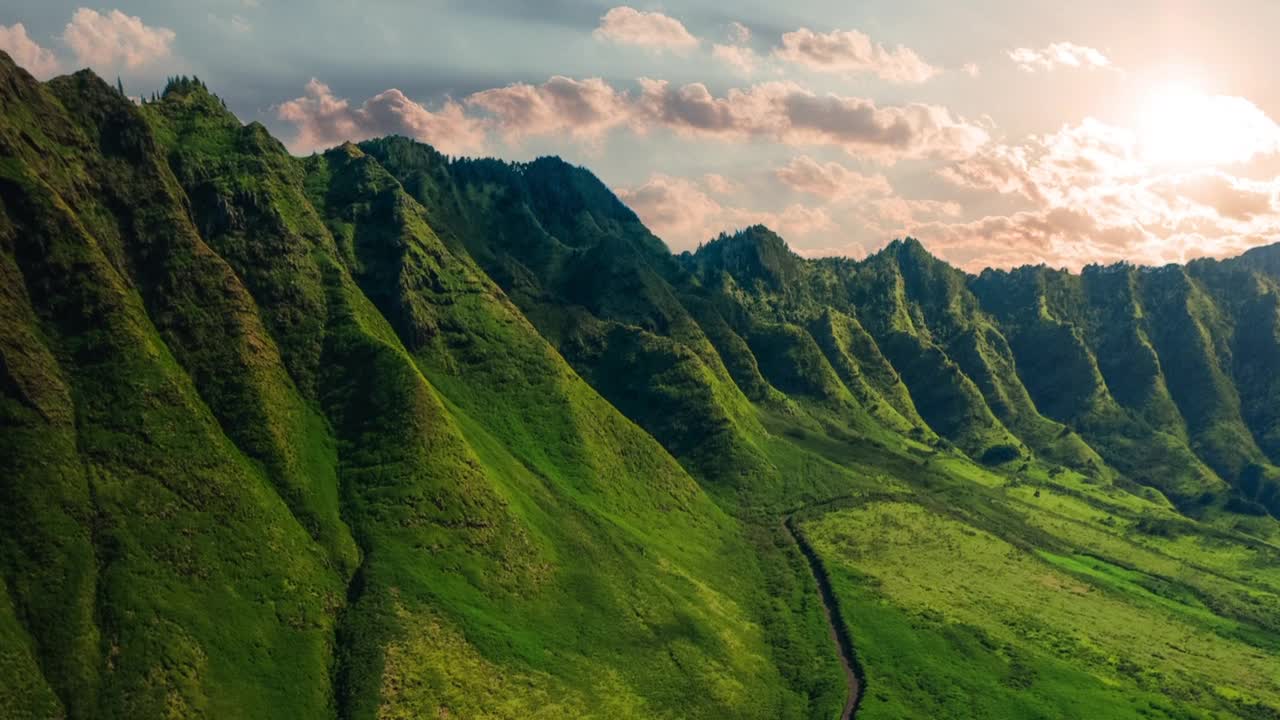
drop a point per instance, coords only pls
(382, 433)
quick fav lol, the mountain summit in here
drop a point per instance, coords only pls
(383, 433)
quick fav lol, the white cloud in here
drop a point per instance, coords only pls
(720, 184)
(739, 34)
(1095, 195)
(585, 109)
(739, 57)
(852, 52)
(627, 26)
(1059, 54)
(26, 52)
(324, 120)
(830, 181)
(115, 39)
(787, 113)
(681, 212)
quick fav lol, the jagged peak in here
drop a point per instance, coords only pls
(346, 149)
(752, 253)
(12, 74)
(183, 85)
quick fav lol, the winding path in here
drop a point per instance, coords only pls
(835, 624)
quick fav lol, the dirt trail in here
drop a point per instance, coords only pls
(835, 624)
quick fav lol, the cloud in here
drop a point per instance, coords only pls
(115, 39)
(1059, 54)
(627, 26)
(720, 184)
(589, 109)
(1228, 197)
(852, 52)
(739, 34)
(777, 112)
(1096, 197)
(787, 113)
(324, 120)
(905, 213)
(681, 212)
(26, 52)
(739, 57)
(830, 181)
(585, 109)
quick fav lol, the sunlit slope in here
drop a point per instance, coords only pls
(271, 448)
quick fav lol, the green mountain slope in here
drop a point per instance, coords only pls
(271, 448)
(380, 433)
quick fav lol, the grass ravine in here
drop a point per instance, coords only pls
(840, 636)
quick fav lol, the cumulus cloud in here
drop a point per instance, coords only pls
(775, 111)
(585, 109)
(852, 52)
(1058, 55)
(115, 39)
(27, 52)
(1229, 197)
(830, 181)
(720, 184)
(1096, 197)
(627, 26)
(739, 57)
(322, 120)
(904, 213)
(787, 113)
(589, 109)
(680, 211)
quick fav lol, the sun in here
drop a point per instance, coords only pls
(1181, 126)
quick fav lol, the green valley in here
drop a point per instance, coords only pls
(384, 433)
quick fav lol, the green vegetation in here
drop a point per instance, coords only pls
(381, 433)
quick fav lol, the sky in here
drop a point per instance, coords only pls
(998, 132)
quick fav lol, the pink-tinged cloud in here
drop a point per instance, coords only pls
(787, 113)
(1228, 197)
(830, 181)
(1058, 55)
(739, 57)
(1096, 197)
(853, 53)
(627, 26)
(585, 109)
(26, 52)
(682, 213)
(904, 214)
(323, 120)
(720, 184)
(115, 39)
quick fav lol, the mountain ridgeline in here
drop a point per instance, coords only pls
(379, 433)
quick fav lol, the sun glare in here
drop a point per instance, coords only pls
(1182, 126)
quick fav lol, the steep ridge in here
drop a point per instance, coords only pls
(252, 467)
(380, 433)
(596, 283)
(1010, 367)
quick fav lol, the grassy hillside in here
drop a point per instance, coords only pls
(377, 433)
(272, 448)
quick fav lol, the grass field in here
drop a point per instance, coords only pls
(1013, 603)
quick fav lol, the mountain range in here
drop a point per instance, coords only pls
(381, 433)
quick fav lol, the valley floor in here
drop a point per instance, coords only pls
(1048, 598)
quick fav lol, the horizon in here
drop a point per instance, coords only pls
(839, 128)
